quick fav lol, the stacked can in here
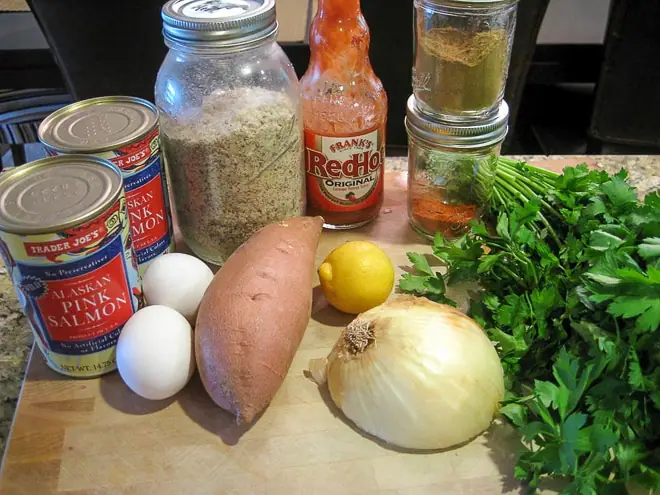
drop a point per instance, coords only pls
(66, 243)
(123, 130)
(456, 118)
(78, 229)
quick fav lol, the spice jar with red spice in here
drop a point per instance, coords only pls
(451, 169)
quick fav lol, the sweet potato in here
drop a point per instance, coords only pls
(254, 314)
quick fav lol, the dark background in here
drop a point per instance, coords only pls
(565, 99)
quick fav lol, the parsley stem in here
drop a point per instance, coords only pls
(527, 193)
(512, 275)
(516, 176)
(518, 194)
(526, 167)
(551, 231)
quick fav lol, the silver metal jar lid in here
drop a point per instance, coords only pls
(218, 22)
(445, 2)
(475, 134)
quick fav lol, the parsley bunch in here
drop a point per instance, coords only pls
(571, 298)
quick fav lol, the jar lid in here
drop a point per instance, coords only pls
(444, 2)
(221, 22)
(476, 134)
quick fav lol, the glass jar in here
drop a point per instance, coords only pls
(451, 170)
(231, 123)
(461, 60)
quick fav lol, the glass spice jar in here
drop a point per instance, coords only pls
(461, 56)
(231, 123)
(451, 170)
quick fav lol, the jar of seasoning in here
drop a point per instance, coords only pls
(231, 126)
(461, 56)
(451, 170)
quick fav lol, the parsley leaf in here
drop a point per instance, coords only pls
(420, 263)
(650, 248)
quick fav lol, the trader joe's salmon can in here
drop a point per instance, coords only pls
(124, 130)
(66, 241)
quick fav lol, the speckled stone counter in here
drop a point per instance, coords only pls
(15, 345)
(16, 338)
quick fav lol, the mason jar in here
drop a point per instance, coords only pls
(231, 126)
(451, 170)
(461, 56)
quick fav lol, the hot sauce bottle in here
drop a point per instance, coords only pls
(344, 112)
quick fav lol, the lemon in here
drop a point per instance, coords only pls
(356, 277)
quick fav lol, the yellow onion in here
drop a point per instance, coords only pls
(414, 373)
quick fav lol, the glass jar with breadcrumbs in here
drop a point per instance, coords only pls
(231, 126)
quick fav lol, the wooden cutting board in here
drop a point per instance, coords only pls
(97, 437)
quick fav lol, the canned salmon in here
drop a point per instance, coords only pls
(124, 130)
(66, 241)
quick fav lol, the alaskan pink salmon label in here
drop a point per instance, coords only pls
(146, 196)
(77, 311)
(77, 288)
(148, 212)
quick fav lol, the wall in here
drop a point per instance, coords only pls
(574, 21)
(19, 30)
(566, 21)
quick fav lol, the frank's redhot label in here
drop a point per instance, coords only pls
(344, 173)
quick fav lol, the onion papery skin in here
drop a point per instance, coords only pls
(416, 374)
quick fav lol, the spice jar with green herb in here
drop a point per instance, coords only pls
(462, 52)
(451, 170)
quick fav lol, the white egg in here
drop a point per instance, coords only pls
(155, 352)
(178, 281)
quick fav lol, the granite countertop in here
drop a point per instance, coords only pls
(15, 345)
(16, 337)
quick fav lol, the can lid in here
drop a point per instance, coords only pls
(57, 193)
(475, 134)
(222, 22)
(98, 124)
